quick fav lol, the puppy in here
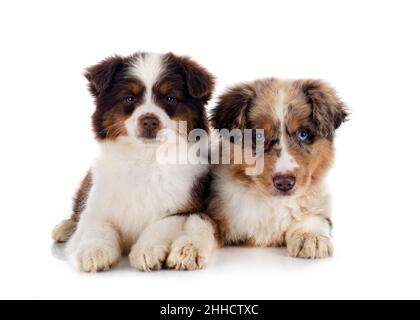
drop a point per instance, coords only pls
(286, 204)
(130, 202)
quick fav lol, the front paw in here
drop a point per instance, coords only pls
(97, 258)
(148, 258)
(187, 255)
(309, 246)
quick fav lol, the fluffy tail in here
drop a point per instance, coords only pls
(66, 228)
(63, 231)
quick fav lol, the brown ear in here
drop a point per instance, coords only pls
(101, 75)
(328, 111)
(232, 108)
(200, 82)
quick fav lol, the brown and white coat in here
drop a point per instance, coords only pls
(287, 204)
(129, 203)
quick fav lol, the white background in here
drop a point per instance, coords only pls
(369, 50)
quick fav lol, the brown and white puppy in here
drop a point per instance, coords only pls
(287, 204)
(130, 202)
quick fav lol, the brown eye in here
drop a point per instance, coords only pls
(170, 99)
(129, 99)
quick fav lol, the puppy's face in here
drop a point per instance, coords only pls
(140, 95)
(299, 119)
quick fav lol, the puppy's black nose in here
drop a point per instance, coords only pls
(150, 123)
(284, 183)
(149, 126)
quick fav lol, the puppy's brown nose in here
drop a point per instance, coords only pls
(284, 182)
(149, 126)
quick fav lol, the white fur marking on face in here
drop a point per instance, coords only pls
(131, 123)
(148, 68)
(286, 163)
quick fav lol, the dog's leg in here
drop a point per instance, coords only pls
(95, 246)
(194, 247)
(152, 248)
(310, 238)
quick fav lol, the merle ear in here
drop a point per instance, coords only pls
(200, 82)
(100, 76)
(328, 111)
(231, 111)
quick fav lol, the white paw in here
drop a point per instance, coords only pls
(309, 246)
(185, 255)
(97, 258)
(63, 231)
(148, 258)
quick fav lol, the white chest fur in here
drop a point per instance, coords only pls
(252, 216)
(132, 192)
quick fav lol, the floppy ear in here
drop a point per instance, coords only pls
(328, 111)
(200, 82)
(101, 75)
(231, 111)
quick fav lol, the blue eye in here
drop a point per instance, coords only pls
(303, 135)
(260, 137)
